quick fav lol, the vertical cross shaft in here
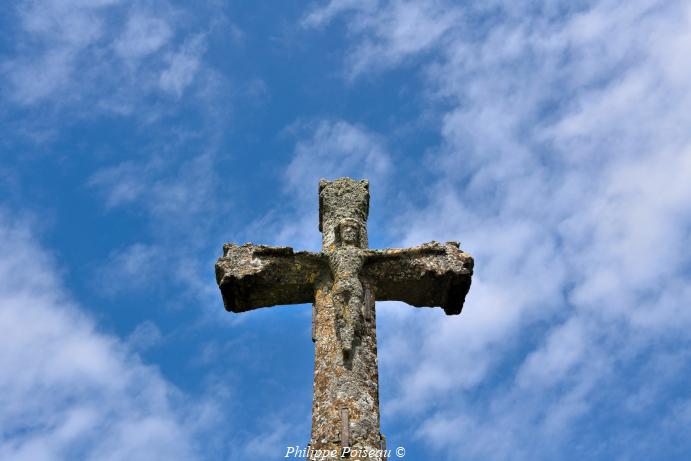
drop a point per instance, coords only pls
(346, 381)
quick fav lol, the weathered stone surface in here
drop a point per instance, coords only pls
(343, 282)
(432, 274)
(252, 276)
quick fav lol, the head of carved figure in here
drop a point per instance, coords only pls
(342, 200)
(348, 232)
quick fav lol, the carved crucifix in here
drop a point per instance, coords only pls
(342, 282)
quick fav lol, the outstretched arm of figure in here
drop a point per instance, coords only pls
(432, 274)
(252, 276)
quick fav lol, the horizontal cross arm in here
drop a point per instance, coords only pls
(432, 274)
(252, 276)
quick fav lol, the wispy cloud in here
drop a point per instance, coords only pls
(168, 191)
(107, 56)
(68, 390)
(140, 64)
(324, 149)
(182, 66)
(179, 204)
(143, 34)
(135, 65)
(387, 33)
(331, 149)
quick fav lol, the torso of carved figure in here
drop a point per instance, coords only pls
(346, 263)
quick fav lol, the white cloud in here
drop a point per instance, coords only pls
(32, 81)
(68, 391)
(146, 335)
(325, 149)
(319, 17)
(182, 66)
(76, 60)
(334, 149)
(169, 192)
(563, 170)
(122, 182)
(271, 441)
(133, 268)
(143, 35)
(106, 56)
(389, 32)
(178, 200)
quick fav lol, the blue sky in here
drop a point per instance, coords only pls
(550, 137)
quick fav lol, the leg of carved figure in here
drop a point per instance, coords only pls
(344, 328)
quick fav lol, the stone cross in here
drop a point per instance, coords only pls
(342, 282)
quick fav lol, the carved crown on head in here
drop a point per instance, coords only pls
(343, 198)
